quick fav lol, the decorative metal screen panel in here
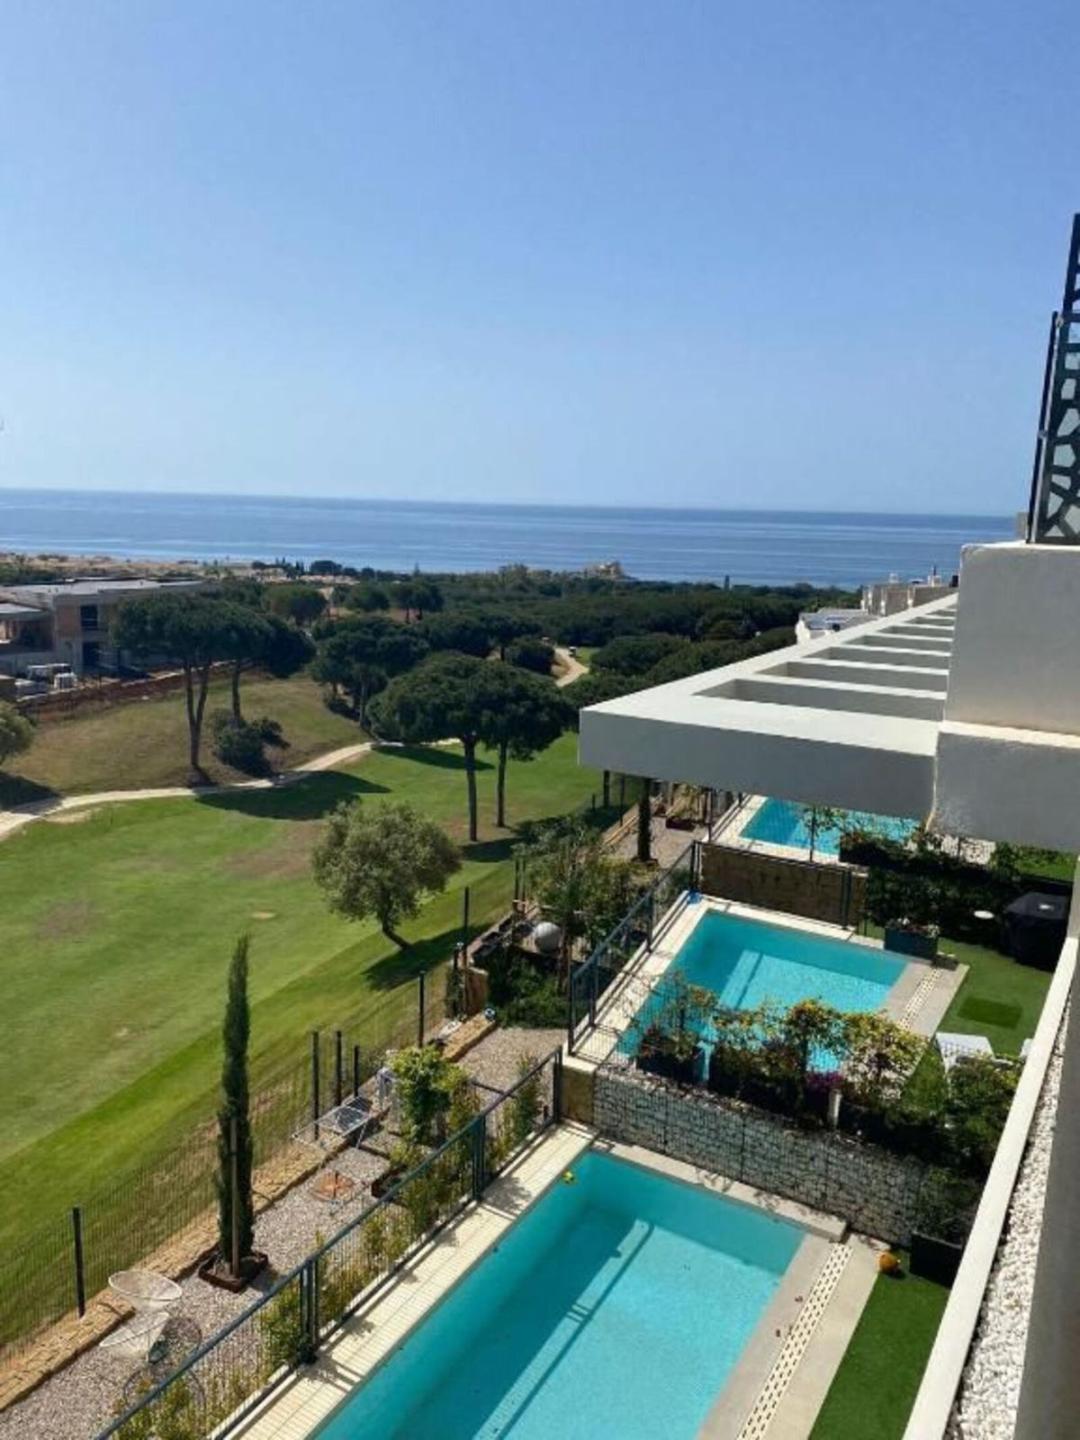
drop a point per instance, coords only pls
(1055, 515)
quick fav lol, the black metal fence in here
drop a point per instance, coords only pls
(225, 1378)
(71, 1255)
(642, 926)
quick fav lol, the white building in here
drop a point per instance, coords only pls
(966, 710)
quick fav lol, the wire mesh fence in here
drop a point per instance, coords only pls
(588, 1019)
(54, 1269)
(227, 1376)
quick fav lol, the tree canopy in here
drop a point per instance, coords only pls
(522, 715)
(302, 604)
(192, 629)
(361, 653)
(442, 699)
(383, 862)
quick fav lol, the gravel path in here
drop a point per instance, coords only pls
(990, 1389)
(78, 1402)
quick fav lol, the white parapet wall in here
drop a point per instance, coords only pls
(1008, 760)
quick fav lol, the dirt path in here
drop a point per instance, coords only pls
(573, 669)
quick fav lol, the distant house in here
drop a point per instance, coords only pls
(67, 623)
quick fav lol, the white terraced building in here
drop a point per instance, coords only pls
(966, 711)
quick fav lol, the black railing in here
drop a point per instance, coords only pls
(641, 927)
(222, 1381)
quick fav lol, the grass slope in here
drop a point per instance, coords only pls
(143, 743)
(873, 1391)
(118, 932)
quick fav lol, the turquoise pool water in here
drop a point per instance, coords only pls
(779, 822)
(618, 1306)
(746, 962)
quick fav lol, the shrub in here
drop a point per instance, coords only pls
(425, 1085)
(239, 744)
(980, 1093)
(531, 654)
(526, 1103)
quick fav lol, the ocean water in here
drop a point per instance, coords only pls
(618, 1306)
(756, 547)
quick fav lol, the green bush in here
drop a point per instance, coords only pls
(241, 744)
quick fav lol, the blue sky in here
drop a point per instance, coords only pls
(777, 253)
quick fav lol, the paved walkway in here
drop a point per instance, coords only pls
(20, 815)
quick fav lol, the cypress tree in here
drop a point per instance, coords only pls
(234, 1105)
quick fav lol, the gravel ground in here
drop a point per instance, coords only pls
(990, 1389)
(78, 1402)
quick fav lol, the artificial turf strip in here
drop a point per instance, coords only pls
(873, 1391)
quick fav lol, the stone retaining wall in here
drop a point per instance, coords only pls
(831, 892)
(873, 1190)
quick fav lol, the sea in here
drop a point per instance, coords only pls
(779, 547)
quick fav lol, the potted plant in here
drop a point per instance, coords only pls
(912, 937)
(942, 1219)
(235, 1262)
(670, 1045)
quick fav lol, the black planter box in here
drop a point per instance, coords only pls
(935, 1259)
(683, 1072)
(920, 943)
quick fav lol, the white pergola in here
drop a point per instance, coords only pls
(965, 710)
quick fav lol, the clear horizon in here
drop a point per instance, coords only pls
(315, 498)
(582, 254)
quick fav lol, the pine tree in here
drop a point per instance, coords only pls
(235, 1106)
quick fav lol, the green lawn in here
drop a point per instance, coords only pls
(999, 998)
(144, 742)
(119, 923)
(873, 1390)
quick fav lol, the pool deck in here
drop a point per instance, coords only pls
(369, 1338)
(777, 1385)
(917, 1000)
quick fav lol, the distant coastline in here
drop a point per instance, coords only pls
(750, 547)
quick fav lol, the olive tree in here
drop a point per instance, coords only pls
(383, 862)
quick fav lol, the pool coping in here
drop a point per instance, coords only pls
(370, 1337)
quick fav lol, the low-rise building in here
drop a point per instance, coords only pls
(67, 623)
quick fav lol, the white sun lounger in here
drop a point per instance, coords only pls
(954, 1047)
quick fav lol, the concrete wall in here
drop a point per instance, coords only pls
(874, 1191)
(833, 893)
(1008, 752)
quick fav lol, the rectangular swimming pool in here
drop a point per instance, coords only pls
(618, 1305)
(779, 822)
(746, 962)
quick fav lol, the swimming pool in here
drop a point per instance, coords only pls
(746, 962)
(618, 1305)
(780, 822)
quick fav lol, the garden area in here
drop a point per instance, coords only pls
(119, 921)
(142, 744)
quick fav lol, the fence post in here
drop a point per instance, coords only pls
(315, 1081)
(356, 1070)
(649, 922)
(570, 1012)
(420, 1008)
(594, 985)
(309, 1312)
(465, 917)
(556, 1088)
(80, 1266)
(339, 1072)
(479, 1156)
